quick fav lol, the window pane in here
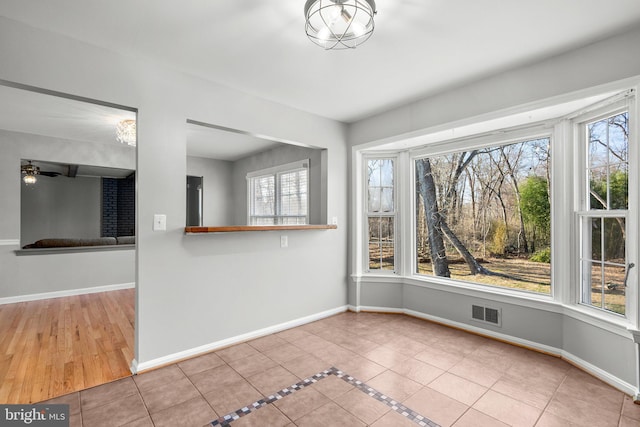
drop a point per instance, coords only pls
(380, 185)
(592, 278)
(595, 225)
(614, 291)
(486, 211)
(381, 243)
(608, 154)
(618, 187)
(598, 141)
(614, 243)
(598, 188)
(293, 197)
(374, 199)
(263, 195)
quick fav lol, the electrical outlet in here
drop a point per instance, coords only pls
(334, 220)
(284, 241)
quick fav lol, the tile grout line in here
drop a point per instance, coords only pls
(408, 413)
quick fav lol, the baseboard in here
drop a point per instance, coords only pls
(68, 293)
(612, 380)
(601, 374)
(139, 367)
(10, 242)
(489, 333)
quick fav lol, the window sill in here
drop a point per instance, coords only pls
(244, 228)
(71, 250)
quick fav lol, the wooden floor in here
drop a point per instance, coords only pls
(52, 347)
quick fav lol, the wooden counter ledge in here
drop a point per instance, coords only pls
(241, 228)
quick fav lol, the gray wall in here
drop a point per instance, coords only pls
(186, 284)
(26, 275)
(217, 190)
(60, 207)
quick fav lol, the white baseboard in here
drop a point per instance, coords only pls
(601, 374)
(10, 242)
(68, 293)
(608, 378)
(138, 367)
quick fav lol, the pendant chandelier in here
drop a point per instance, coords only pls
(126, 132)
(339, 24)
(29, 173)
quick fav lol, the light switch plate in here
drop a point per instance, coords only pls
(159, 222)
(284, 241)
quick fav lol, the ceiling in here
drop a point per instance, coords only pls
(53, 116)
(213, 143)
(419, 47)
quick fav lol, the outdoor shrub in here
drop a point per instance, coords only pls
(543, 255)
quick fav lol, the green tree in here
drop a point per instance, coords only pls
(618, 191)
(534, 202)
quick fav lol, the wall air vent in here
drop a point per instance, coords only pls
(489, 315)
(477, 312)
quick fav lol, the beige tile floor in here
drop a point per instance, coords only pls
(449, 376)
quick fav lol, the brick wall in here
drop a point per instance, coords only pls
(118, 207)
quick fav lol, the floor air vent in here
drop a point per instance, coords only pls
(486, 315)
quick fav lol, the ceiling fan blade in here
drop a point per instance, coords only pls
(51, 174)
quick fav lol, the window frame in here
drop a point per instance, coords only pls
(581, 213)
(366, 214)
(506, 137)
(276, 172)
(555, 117)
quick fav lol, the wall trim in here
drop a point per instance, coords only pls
(10, 242)
(67, 293)
(139, 367)
(545, 303)
(608, 378)
(605, 376)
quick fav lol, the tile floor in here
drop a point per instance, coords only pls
(450, 377)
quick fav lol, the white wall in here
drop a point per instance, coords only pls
(196, 290)
(589, 343)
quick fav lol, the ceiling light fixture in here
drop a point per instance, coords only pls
(30, 171)
(126, 132)
(339, 24)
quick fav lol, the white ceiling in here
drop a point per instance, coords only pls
(47, 115)
(419, 47)
(204, 141)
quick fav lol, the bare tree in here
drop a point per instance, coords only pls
(427, 189)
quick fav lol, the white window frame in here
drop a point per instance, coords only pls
(507, 137)
(366, 214)
(555, 117)
(276, 172)
(581, 194)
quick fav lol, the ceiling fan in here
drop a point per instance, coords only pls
(31, 169)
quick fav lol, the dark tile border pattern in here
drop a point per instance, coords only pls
(396, 406)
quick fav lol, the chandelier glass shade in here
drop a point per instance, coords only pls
(339, 24)
(29, 173)
(126, 132)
